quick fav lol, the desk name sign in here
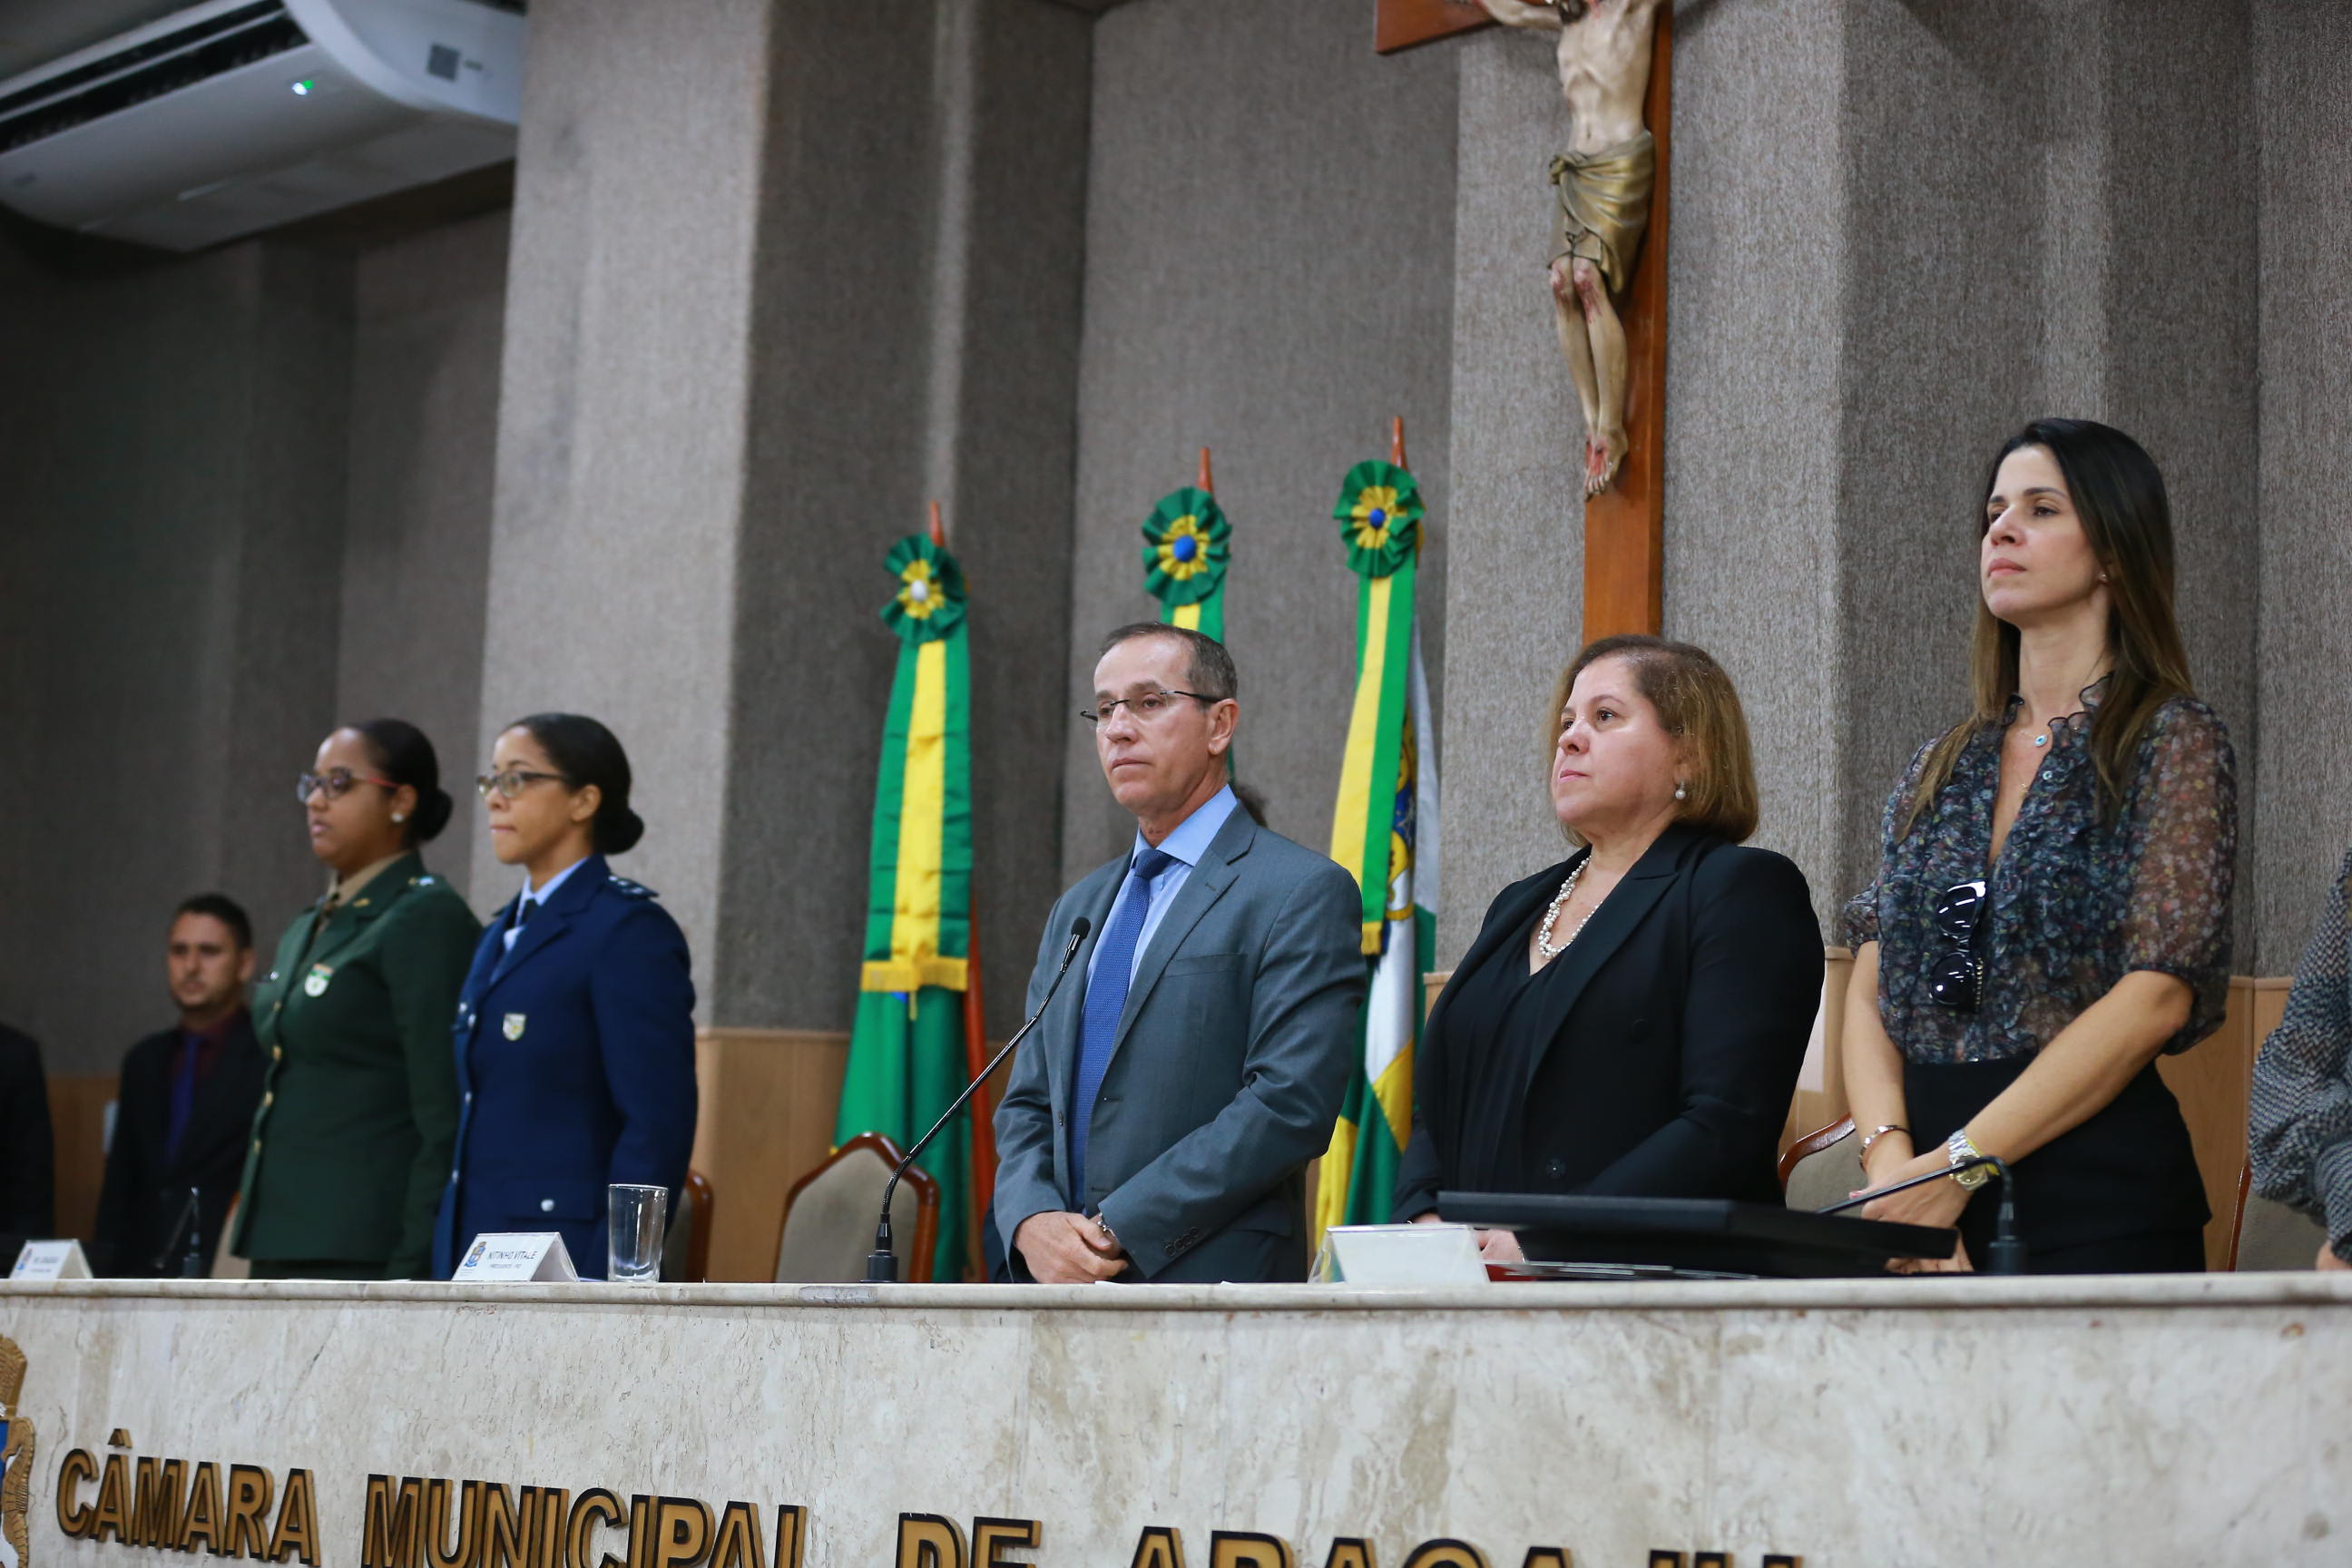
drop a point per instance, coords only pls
(50, 1260)
(535, 1256)
(430, 1521)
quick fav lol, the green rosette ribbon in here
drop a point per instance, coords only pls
(1379, 514)
(929, 601)
(1185, 547)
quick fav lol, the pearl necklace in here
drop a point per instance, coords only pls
(1551, 915)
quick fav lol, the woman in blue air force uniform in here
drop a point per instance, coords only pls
(575, 1028)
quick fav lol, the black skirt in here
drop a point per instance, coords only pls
(2118, 1194)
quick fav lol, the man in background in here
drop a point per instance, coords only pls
(27, 1155)
(185, 1105)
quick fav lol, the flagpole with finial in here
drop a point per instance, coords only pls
(975, 1029)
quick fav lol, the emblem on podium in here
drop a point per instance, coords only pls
(15, 1460)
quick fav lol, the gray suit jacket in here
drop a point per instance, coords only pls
(1233, 1054)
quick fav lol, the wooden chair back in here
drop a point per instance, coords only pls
(228, 1264)
(828, 1225)
(2271, 1235)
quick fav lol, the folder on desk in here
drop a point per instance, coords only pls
(1706, 1237)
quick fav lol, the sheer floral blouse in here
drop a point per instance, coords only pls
(2077, 899)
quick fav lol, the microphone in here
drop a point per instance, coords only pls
(2007, 1253)
(193, 1265)
(882, 1263)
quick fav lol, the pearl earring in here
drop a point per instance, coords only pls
(1680, 793)
(400, 817)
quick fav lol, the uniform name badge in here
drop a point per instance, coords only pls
(315, 983)
(512, 1028)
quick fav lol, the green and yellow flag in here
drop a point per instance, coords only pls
(1385, 833)
(907, 1056)
(1185, 549)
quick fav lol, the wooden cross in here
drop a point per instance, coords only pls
(1624, 526)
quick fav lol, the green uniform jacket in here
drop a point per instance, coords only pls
(358, 1110)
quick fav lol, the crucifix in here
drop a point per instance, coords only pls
(1605, 278)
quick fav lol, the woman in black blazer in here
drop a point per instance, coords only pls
(1630, 1022)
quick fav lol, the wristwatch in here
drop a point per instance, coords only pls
(1960, 1151)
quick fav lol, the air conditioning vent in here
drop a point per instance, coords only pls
(269, 31)
(235, 116)
(122, 60)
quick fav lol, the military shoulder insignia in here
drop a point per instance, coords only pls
(634, 890)
(15, 1461)
(315, 983)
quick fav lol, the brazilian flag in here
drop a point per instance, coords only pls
(907, 1052)
(1384, 832)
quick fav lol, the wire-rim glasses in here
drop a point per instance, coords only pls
(1145, 706)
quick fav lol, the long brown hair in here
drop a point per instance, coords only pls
(2119, 496)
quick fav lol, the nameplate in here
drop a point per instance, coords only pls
(50, 1260)
(535, 1256)
(1402, 1255)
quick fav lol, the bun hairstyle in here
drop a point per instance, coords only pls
(585, 752)
(402, 754)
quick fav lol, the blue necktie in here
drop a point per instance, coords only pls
(183, 1104)
(1114, 969)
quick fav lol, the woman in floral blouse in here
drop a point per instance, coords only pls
(2052, 909)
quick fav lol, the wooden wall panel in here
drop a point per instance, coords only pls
(77, 1122)
(768, 1098)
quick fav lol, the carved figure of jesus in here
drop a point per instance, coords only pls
(1604, 182)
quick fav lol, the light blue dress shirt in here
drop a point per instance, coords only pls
(532, 895)
(1186, 845)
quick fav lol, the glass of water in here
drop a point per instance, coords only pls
(638, 1216)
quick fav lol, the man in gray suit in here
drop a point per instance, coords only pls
(1159, 1120)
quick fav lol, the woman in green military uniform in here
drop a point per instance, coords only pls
(351, 1147)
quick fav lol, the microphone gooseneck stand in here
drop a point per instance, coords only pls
(194, 1264)
(882, 1263)
(2007, 1253)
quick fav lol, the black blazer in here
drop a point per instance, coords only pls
(1682, 1022)
(145, 1194)
(27, 1155)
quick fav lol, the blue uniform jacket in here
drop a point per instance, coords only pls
(575, 1068)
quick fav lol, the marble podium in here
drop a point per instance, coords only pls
(1834, 1424)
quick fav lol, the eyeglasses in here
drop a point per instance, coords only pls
(1146, 707)
(1956, 975)
(513, 782)
(336, 782)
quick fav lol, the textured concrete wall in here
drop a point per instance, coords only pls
(940, 364)
(170, 433)
(1755, 344)
(1269, 273)
(1516, 550)
(2302, 797)
(770, 294)
(428, 323)
(622, 407)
